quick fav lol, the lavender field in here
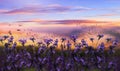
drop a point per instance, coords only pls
(59, 54)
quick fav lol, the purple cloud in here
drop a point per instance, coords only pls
(63, 21)
(45, 9)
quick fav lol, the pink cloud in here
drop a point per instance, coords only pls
(45, 9)
(109, 14)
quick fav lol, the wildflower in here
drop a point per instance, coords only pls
(9, 67)
(111, 65)
(58, 69)
(10, 39)
(59, 60)
(99, 59)
(56, 42)
(40, 59)
(99, 66)
(101, 46)
(5, 37)
(74, 37)
(22, 63)
(22, 41)
(68, 45)
(28, 64)
(77, 59)
(6, 45)
(14, 45)
(32, 39)
(109, 39)
(115, 42)
(48, 41)
(100, 36)
(84, 43)
(92, 39)
(39, 43)
(77, 48)
(45, 60)
(63, 39)
(40, 50)
(28, 55)
(82, 61)
(69, 66)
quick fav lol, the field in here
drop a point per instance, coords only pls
(61, 54)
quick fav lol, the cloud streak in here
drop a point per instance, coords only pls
(62, 21)
(45, 9)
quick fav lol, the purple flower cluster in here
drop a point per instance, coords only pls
(46, 57)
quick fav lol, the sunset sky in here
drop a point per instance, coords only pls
(25, 10)
(61, 13)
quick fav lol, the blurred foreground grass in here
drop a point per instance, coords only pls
(116, 55)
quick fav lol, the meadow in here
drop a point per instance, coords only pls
(61, 54)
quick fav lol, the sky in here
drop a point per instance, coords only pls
(27, 10)
(47, 14)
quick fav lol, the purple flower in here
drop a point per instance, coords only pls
(58, 69)
(101, 46)
(39, 43)
(48, 41)
(69, 66)
(77, 59)
(6, 45)
(40, 59)
(45, 60)
(63, 39)
(109, 39)
(100, 36)
(59, 60)
(5, 37)
(56, 42)
(11, 38)
(14, 45)
(32, 39)
(92, 39)
(99, 66)
(68, 45)
(40, 50)
(74, 37)
(9, 67)
(111, 64)
(115, 42)
(22, 41)
(28, 64)
(22, 63)
(84, 43)
(28, 55)
(77, 48)
(99, 59)
(83, 61)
